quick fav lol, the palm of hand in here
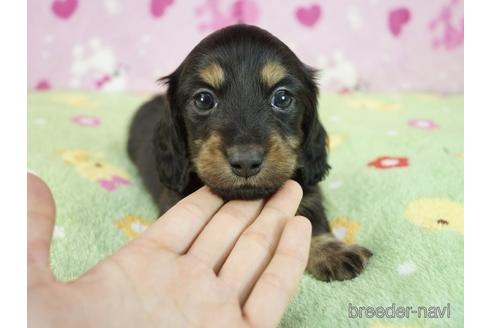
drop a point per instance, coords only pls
(202, 264)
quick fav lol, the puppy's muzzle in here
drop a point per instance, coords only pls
(245, 160)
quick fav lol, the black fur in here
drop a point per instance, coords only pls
(170, 135)
(162, 119)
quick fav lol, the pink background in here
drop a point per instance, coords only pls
(377, 45)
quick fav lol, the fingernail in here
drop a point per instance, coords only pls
(32, 172)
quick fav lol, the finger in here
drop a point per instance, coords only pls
(256, 245)
(178, 227)
(216, 241)
(40, 222)
(276, 286)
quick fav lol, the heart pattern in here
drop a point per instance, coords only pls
(398, 18)
(43, 85)
(323, 33)
(308, 16)
(64, 8)
(158, 7)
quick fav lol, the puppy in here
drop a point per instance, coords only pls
(240, 116)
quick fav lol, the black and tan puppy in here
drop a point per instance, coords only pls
(240, 115)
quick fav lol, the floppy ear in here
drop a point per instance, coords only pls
(170, 145)
(314, 163)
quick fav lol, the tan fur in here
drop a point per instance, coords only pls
(210, 163)
(332, 259)
(213, 167)
(212, 74)
(293, 142)
(272, 73)
(281, 160)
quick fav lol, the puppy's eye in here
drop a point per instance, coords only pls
(204, 100)
(281, 99)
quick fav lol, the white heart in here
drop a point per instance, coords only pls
(138, 227)
(58, 232)
(406, 268)
(423, 124)
(392, 133)
(335, 184)
(389, 162)
(40, 121)
(340, 232)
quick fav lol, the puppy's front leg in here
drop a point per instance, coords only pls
(329, 258)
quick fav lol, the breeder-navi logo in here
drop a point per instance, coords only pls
(393, 311)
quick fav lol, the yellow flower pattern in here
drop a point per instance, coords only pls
(344, 229)
(334, 140)
(436, 214)
(89, 167)
(373, 105)
(132, 225)
(74, 100)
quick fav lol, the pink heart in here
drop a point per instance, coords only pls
(158, 7)
(83, 120)
(64, 8)
(308, 16)
(43, 85)
(113, 183)
(245, 11)
(397, 18)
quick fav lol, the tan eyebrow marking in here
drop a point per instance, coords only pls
(212, 74)
(271, 73)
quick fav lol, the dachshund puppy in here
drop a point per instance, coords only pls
(240, 116)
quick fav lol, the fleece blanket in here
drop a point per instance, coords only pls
(396, 187)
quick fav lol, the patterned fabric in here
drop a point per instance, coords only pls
(360, 44)
(396, 187)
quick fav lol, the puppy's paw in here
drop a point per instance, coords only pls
(331, 259)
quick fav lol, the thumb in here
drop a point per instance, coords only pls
(40, 221)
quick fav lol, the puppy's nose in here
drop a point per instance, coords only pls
(245, 160)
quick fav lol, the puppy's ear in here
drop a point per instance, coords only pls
(170, 140)
(313, 161)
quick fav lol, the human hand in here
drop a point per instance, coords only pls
(203, 263)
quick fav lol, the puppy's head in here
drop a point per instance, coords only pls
(242, 117)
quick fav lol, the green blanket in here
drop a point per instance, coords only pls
(396, 187)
